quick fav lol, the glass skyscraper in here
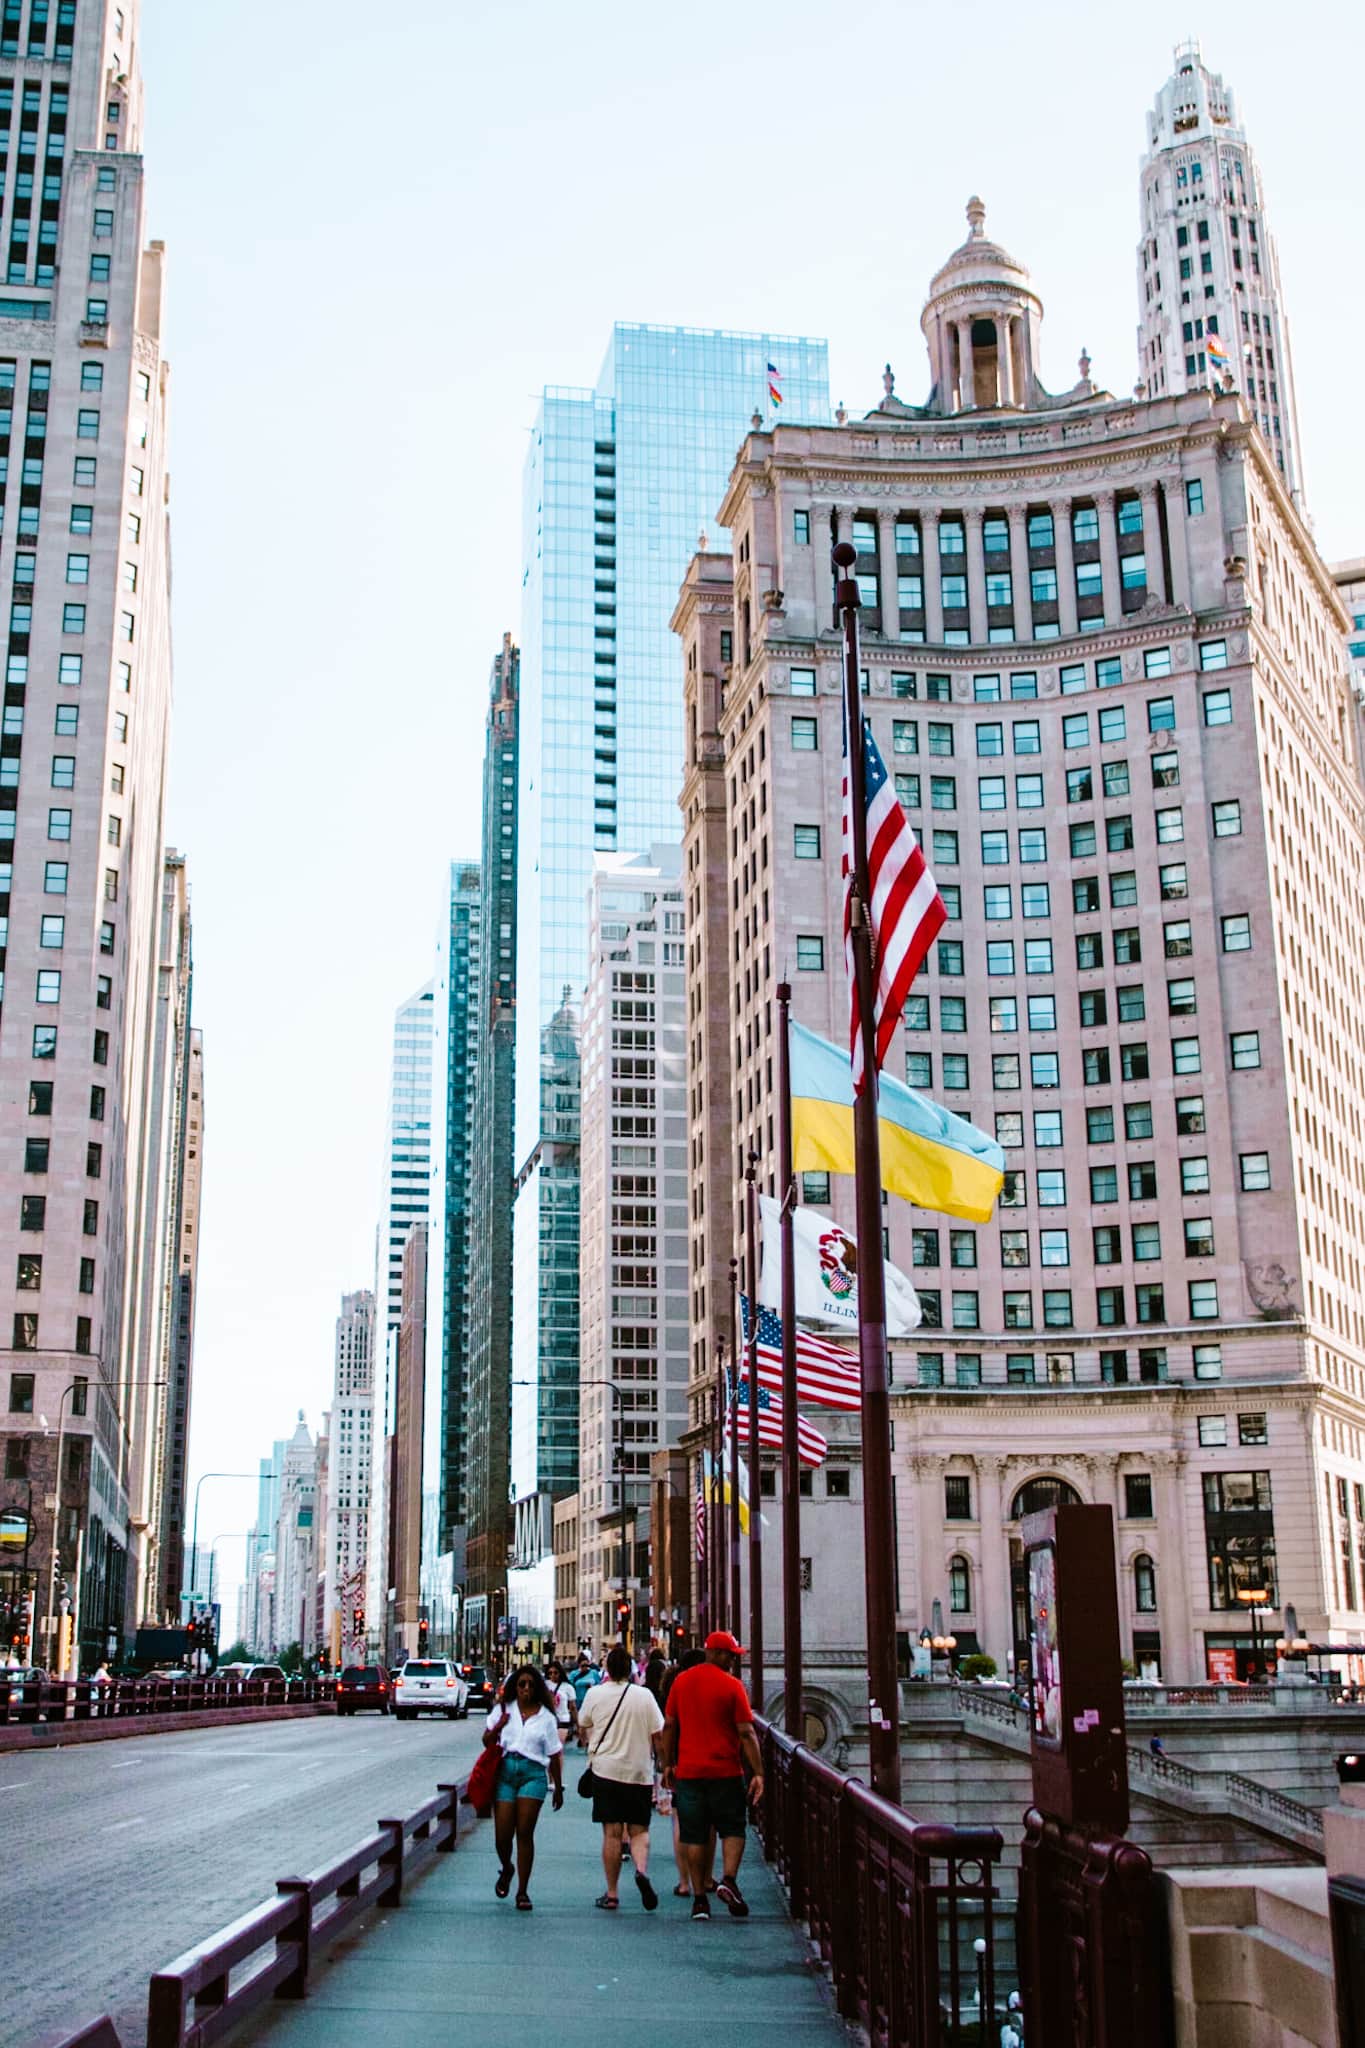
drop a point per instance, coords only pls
(618, 483)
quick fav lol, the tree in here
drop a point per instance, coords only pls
(291, 1660)
(236, 1653)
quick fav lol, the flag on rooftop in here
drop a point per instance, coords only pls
(774, 384)
(811, 1446)
(906, 910)
(826, 1260)
(929, 1156)
(827, 1375)
(1217, 354)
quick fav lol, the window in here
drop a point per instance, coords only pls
(1027, 736)
(1038, 958)
(1245, 1047)
(1203, 1300)
(806, 842)
(801, 682)
(1009, 1128)
(944, 849)
(1170, 826)
(801, 528)
(1080, 785)
(88, 419)
(1150, 1301)
(1236, 934)
(1174, 882)
(1213, 654)
(1156, 661)
(950, 957)
(1199, 1237)
(1165, 770)
(1057, 1308)
(51, 932)
(959, 1586)
(943, 792)
(952, 1014)
(1208, 1361)
(49, 986)
(924, 1248)
(1146, 1242)
(1115, 774)
(957, 1497)
(1252, 1428)
(940, 739)
(63, 771)
(1181, 998)
(1213, 1432)
(1104, 1184)
(805, 735)
(907, 791)
(35, 1155)
(966, 1309)
(990, 792)
(1082, 840)
(1018, 1309)
(1189, 1115)
(990, 739)
(955, 1070)
(810, 953)
(1107, 1244)
(44, 1041)
(1137, 1496)
(1144, 1584)
(1218, 707)
(1099, 1125)
(1047, 1128)
(1185, 1055)
(999, 956)
(1227, 818)
(1194, 1175)
(1178, 939)
(1054, 1247)
(69, 670)
(1032, 844)
(1004, 1014)
(1142, 1180)
(1014, 1193)
(1051, 1187)
(73, 618)
(1255, 1171)
(1028, 792)
(54, 876)
(1194, 496)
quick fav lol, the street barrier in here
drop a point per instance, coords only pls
(69, 1700)
(902, 1912)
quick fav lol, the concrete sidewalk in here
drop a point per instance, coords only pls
(453, 1953)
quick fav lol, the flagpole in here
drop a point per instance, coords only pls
(716, 1503)
(733, 1405)
(794, 1708)
(755, 1481)
(883, 1687)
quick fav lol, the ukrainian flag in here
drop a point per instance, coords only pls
(929, 1156)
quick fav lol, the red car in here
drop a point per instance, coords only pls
(364, 1685)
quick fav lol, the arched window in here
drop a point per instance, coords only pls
(1144, 1583)
(1043, 1493)
(960, 1586)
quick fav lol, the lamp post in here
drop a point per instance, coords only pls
(1256, 1598)
(618, 1456)
(194, 1539)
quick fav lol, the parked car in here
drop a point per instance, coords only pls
(251, 1673)
(364, 1685)
(482, 1691)
(430, 1685)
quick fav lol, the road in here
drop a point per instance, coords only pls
(121, 1854)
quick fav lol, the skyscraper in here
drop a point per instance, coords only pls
(83, 404)
(618, 482)
(406, 1200)
(1143, 809)
(491, 1163)
(348, 1473)
(1207, 269)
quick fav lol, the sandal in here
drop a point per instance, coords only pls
(504, 1883)
(607, 1903)
(523, 1903)
(682, 1891)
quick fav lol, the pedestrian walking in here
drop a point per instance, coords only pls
(585, 1677)
(566, 1700)
(656, 1670)
(709, 1738)
(527, 1731)
(664, 1800)
(621, 1723)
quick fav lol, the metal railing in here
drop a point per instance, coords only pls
(895, 1907)
(57, 1699)
(270, 1952)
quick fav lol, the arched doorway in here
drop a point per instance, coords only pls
(1032, 1497)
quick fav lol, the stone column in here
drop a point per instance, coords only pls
(933, 588)
(966, 366)
(886, 568)
(976, 575)
(1019, 581)
(995, 1624)
(1151, 542)
(1109, 559)
(1004, 355)
(1177, 1567)
(1066, 564)
(1176, 516)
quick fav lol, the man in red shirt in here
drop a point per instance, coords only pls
(708, 1738)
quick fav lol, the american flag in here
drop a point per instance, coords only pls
(906, 908)
(812, 1447)
(827, 1375)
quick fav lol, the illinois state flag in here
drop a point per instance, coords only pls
(826, 1258)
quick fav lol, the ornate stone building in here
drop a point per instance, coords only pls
(1105, 664)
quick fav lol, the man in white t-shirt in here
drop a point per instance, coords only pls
(621, 1723)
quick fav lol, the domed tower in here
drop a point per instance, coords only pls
(981, 321)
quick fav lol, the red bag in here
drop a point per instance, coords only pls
(482, 1779)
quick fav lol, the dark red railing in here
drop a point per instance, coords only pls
(270, 1952)
(896, 1907)
(52, 1699)
(1093, 1960)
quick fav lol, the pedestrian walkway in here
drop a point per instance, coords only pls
(454, 1952)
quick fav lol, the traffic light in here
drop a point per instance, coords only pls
(192, 1629)
(423, 1637)
(679, 1633)
(623, 1617)
(357, 1621)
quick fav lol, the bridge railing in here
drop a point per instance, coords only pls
(902, 1912)
(55, 1699)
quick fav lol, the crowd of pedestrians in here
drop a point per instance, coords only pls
(673, 1740)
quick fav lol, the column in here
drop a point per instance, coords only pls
(1019, 579)
(1109, 559)
(1176, 1566)
(995, 1622)
(886, 569)
(933, 587)
(976, 576)
(1066, 564)
(967, 368)
(1004, 352)
(1178, 540)
(1158, 569)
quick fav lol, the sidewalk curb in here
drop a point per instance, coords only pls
(65, 1734)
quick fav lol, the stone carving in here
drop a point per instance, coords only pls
(1271, 1287)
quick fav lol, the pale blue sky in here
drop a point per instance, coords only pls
(387, 229)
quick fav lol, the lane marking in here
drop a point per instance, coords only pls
(242, 1787)
(138, 1821)
(316, 1766)
(15, 1785)
(133, 1764)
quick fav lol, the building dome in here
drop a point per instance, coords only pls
(981, 322)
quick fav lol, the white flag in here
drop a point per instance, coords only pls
(826, 1273)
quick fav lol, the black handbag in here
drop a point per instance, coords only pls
(587, 1784)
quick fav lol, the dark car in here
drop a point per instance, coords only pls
(364, 1685)
(482, 1690)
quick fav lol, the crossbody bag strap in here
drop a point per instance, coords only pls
(625, 1688)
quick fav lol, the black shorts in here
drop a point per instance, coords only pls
(705, 1803)
(611, 1800)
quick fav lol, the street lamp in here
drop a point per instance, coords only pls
(618, 1455)
(1256, 1598)
(194, 1540)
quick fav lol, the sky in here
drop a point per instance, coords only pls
(382, 243)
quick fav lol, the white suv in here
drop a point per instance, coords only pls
(430, 1685)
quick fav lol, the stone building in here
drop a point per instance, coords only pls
(349, 1461)
(1105, 664)
(632, 1285)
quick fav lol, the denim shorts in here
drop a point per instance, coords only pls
(520, 1777)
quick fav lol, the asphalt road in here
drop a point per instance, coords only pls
(119, 1855)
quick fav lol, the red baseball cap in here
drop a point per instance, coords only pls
(721, 1639)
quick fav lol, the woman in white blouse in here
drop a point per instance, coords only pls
(526, 1728)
